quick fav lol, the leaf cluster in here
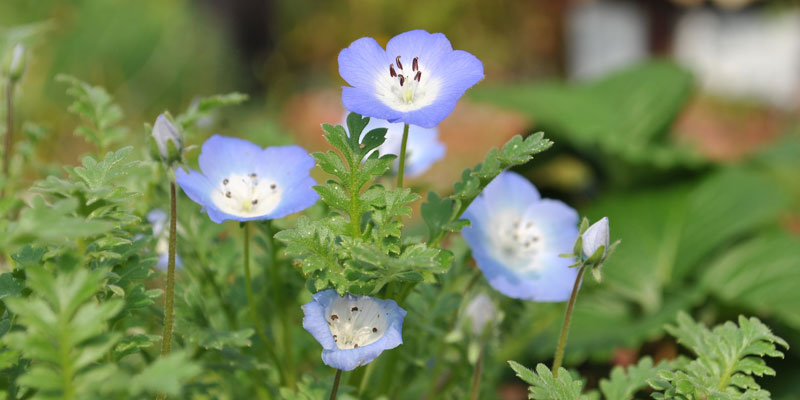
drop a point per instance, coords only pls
(99, 114)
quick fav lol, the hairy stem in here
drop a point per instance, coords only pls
(401, 168)
(335, 387)
(476, 376)
(562, 340)
(9, 133)
(251, 302)
(169, 300)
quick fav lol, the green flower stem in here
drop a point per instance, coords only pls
(252, 303)
(401, 168)
(9, 133)
(277, 288)
(562, 341)
(336, 384)
(476, 376)
(169, 301)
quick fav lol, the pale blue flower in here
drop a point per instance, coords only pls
(422, 150)
(594, 237)
(417, 80)
(241, 181)
(353, 330)
(517, 238)
(159, 219)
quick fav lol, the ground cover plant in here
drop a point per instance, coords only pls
(207, 266)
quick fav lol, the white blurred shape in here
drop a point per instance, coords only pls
(750, 54)
(604, 36)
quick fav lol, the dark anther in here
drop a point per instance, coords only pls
(402, 79)
(418, 76)
(228, 194)
(392, 71)
(254, 202)
(253, 175)
(334, 337)
(415, 64)
(355, 346)
(374, 330)
(535, 238)
(354, 309)
(334, 317)
(273, 186)
(399, 64)
(225, 181)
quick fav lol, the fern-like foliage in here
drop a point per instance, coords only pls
(443, 215)
(358, 248)
(727, 359)
(66, 334)
(545, 386)
(623, 383)
(97, 110)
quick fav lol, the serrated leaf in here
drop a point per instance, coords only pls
(544, 386)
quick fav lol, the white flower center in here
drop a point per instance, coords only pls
(406, 87)
(356, 322)
(518, 240)
(247, 195)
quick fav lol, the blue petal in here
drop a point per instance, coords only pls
(195, 185)
(287, 165)
(424, 149)
(221, 156)
(509, 191)
(365, 102)
(314, 318)
(296, 198)
(348, 360)
(362, 62)
(431, 48)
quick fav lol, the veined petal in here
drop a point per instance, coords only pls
(510, 191)
(366, 102)
(362, 62)
(296, 198)
(429, 47)
(221, 156)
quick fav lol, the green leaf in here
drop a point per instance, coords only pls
(623, 383)
(544, 386)
(727, 359)
(625, 115)
(167, 375)
(761, 275)
(10, 286)
(96, 108)
(205, 106)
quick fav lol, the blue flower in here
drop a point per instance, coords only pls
(422, 150)
(158, 218)
(243, 182)
(417, 80)
(517, 238)
(353, 330)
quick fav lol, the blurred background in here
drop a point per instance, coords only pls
(677, 119)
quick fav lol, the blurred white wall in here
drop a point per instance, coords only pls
(603, 36)
(752, 54)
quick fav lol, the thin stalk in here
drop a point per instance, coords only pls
(9, 132)
(336, 384)
(277, 285)
(476, 377)
(562, 341)
(252, 302)
(401, 168)
(169, 300)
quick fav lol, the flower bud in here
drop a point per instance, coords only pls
(167, 138)
(594, 238)
(16, 63)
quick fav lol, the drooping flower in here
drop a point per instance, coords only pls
(517, 238)
(241, 181)
(417, 80)
(164, 132)
(353, 330)
(594, 237)
(422, 150)
(158, 219)
(481, 312)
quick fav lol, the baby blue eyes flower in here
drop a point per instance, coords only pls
(517, 238)
(417, 80)
(353, 330)
(422, 150)
(594, 237)
(241, 181)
